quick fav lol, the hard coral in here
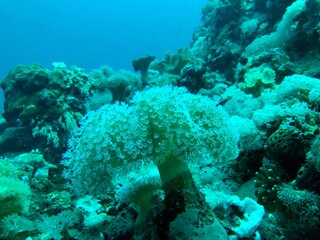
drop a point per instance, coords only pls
(42, 106)
(267, 184)
(286, 147)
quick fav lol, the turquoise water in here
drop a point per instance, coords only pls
(93, 33)
(136, 120)
(89, 34)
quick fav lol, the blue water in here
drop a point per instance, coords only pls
(91, 33)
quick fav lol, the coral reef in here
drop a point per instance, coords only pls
(159, 129)
(42, 107)
(216, 141)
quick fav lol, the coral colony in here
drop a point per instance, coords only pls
(216, 141)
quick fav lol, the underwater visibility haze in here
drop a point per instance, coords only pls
(89, 34)
(93, 33)
(160, 119)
